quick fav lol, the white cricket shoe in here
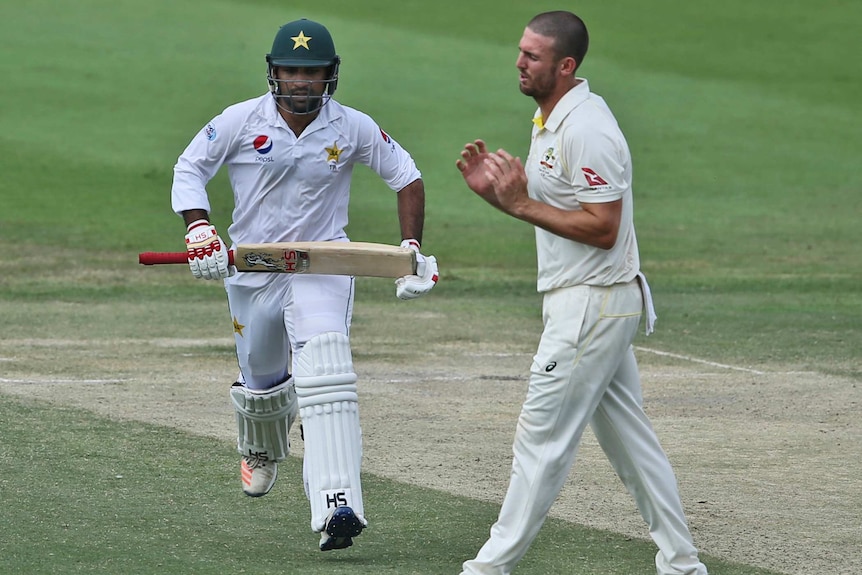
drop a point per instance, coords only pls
(258, 474)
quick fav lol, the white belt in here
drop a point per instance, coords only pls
(648, 305)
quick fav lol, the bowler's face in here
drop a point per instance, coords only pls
(537, 64)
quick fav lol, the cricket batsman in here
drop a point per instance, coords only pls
(290, 155)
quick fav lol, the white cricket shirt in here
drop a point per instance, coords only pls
(287, 188)
(580, 156)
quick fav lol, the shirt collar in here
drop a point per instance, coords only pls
(571, 100)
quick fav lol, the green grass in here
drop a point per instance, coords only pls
(746, 177)
(92, 495)
(744, 125)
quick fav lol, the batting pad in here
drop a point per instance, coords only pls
(328, 405)
(263, 419)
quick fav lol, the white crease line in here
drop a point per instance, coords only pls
(501, 354)
(158, 342)
(424, 379)
(696, 360)
(60, 381)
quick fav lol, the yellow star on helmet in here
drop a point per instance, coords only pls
(237, 327)
(333, 152)
(301, 40)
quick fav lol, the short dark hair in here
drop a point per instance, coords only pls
(568, 31)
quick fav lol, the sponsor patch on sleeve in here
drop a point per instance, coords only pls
(594, 180)
(210, 131)
(388, 140)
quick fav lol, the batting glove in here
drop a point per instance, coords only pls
(413, 286)
(207, 253)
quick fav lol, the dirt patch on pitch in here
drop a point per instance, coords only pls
(767, 458)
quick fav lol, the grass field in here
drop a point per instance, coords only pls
(744, 124)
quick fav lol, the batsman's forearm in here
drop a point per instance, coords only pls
(411, 210)
(190, 216)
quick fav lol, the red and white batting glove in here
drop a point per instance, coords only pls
(207, 253)
(413, 286)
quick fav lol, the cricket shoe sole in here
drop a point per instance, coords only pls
(341, 526)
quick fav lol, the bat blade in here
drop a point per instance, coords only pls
(327, 258)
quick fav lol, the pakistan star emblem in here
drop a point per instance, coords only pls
(237, 327)
(301, 40)
(333, 153)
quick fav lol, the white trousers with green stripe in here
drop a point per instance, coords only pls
(585, 372)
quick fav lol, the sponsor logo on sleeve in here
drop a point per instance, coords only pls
(594, 180)
(388, 140)
(210, 132)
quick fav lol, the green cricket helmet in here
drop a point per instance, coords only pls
(303, 44)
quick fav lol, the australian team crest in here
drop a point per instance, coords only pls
(547, 162)
(549, 158)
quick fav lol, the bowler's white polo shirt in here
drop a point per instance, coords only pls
(578, 155)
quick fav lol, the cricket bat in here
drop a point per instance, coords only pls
(327, 258)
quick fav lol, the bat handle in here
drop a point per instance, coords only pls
(155, 258)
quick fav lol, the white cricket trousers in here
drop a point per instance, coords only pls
(274, 316)
(585, 372)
